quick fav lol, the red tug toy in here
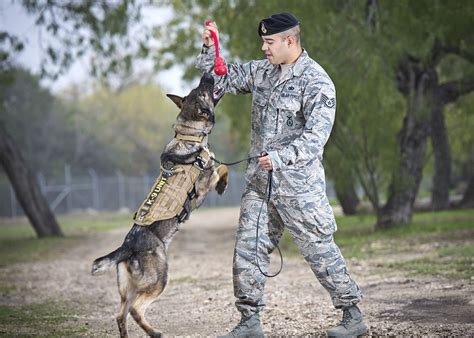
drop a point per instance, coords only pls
(219, 64)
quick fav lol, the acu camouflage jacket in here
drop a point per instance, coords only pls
(292, 118)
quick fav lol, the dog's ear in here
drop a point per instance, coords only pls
(178, 100)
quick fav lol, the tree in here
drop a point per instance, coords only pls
(371, 50)
(459, 124)
(343, 43)
(75, 27)
(427, 33)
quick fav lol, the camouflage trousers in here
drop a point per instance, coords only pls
(311, 223)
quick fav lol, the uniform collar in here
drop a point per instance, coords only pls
(298, 67)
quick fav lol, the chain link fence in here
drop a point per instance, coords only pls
(90, 191)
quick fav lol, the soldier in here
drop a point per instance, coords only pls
(293, 110)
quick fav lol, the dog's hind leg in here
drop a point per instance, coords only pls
(138, 312)
(128, 296)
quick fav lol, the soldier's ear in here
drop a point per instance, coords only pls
(178, 100)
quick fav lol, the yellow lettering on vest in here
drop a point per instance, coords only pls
(156, 191)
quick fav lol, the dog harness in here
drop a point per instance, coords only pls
(173, 188)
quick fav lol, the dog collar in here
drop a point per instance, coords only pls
(190, 138)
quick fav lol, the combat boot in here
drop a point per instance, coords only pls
(351, 325)
(248, 327)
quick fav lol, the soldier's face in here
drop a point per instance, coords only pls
(276, 48)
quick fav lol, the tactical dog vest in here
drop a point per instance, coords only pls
(171, 190)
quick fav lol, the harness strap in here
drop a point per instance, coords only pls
(173, 190)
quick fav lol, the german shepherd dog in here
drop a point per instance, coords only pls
(141, 261)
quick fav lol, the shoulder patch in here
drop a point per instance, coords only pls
(328, 102)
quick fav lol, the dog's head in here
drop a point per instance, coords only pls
(199, 104)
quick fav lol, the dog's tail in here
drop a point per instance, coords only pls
(105, 263)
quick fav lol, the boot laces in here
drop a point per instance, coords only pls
(346, 318)
(243, 325)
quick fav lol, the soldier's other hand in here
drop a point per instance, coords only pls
(206, 34)
(266, 162)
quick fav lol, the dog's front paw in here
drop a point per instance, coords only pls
(221, 186)
(223, 173)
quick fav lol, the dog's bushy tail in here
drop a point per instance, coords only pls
(107, 262)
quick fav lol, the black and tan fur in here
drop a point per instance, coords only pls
(141, 261)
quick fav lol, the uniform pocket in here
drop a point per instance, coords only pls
(292, 182)
(338, 277)
(324, 216)
(289, 117)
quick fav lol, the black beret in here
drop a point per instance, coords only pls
(277, 23)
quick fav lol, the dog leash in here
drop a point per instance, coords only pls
(236, 162)
(268, 191)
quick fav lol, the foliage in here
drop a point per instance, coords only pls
(102, 28)
(460, 123)
(369, 106)
(134, 123)
(36, 121)
(105, 130)
(360, 44)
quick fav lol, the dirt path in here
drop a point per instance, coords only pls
(199, 301)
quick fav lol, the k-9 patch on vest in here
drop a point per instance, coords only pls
(150, 200)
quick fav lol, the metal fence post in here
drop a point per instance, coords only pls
(67, 183)
(121, 189)
(95, 189)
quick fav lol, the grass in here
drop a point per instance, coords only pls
(18, 242)
(357, 238)
(451, 262)
(52, 320)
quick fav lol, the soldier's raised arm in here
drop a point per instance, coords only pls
(239, 77)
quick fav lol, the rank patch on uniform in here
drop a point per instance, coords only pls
(327, 101)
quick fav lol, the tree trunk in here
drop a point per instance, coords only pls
(417, 85)
(26, 188)
(468, 198)
(442, 160)
(347, 198)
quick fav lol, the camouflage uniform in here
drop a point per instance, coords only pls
(292, 118)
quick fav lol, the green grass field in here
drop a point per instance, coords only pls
(18, 242)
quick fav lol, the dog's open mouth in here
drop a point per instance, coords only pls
(217, 93)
